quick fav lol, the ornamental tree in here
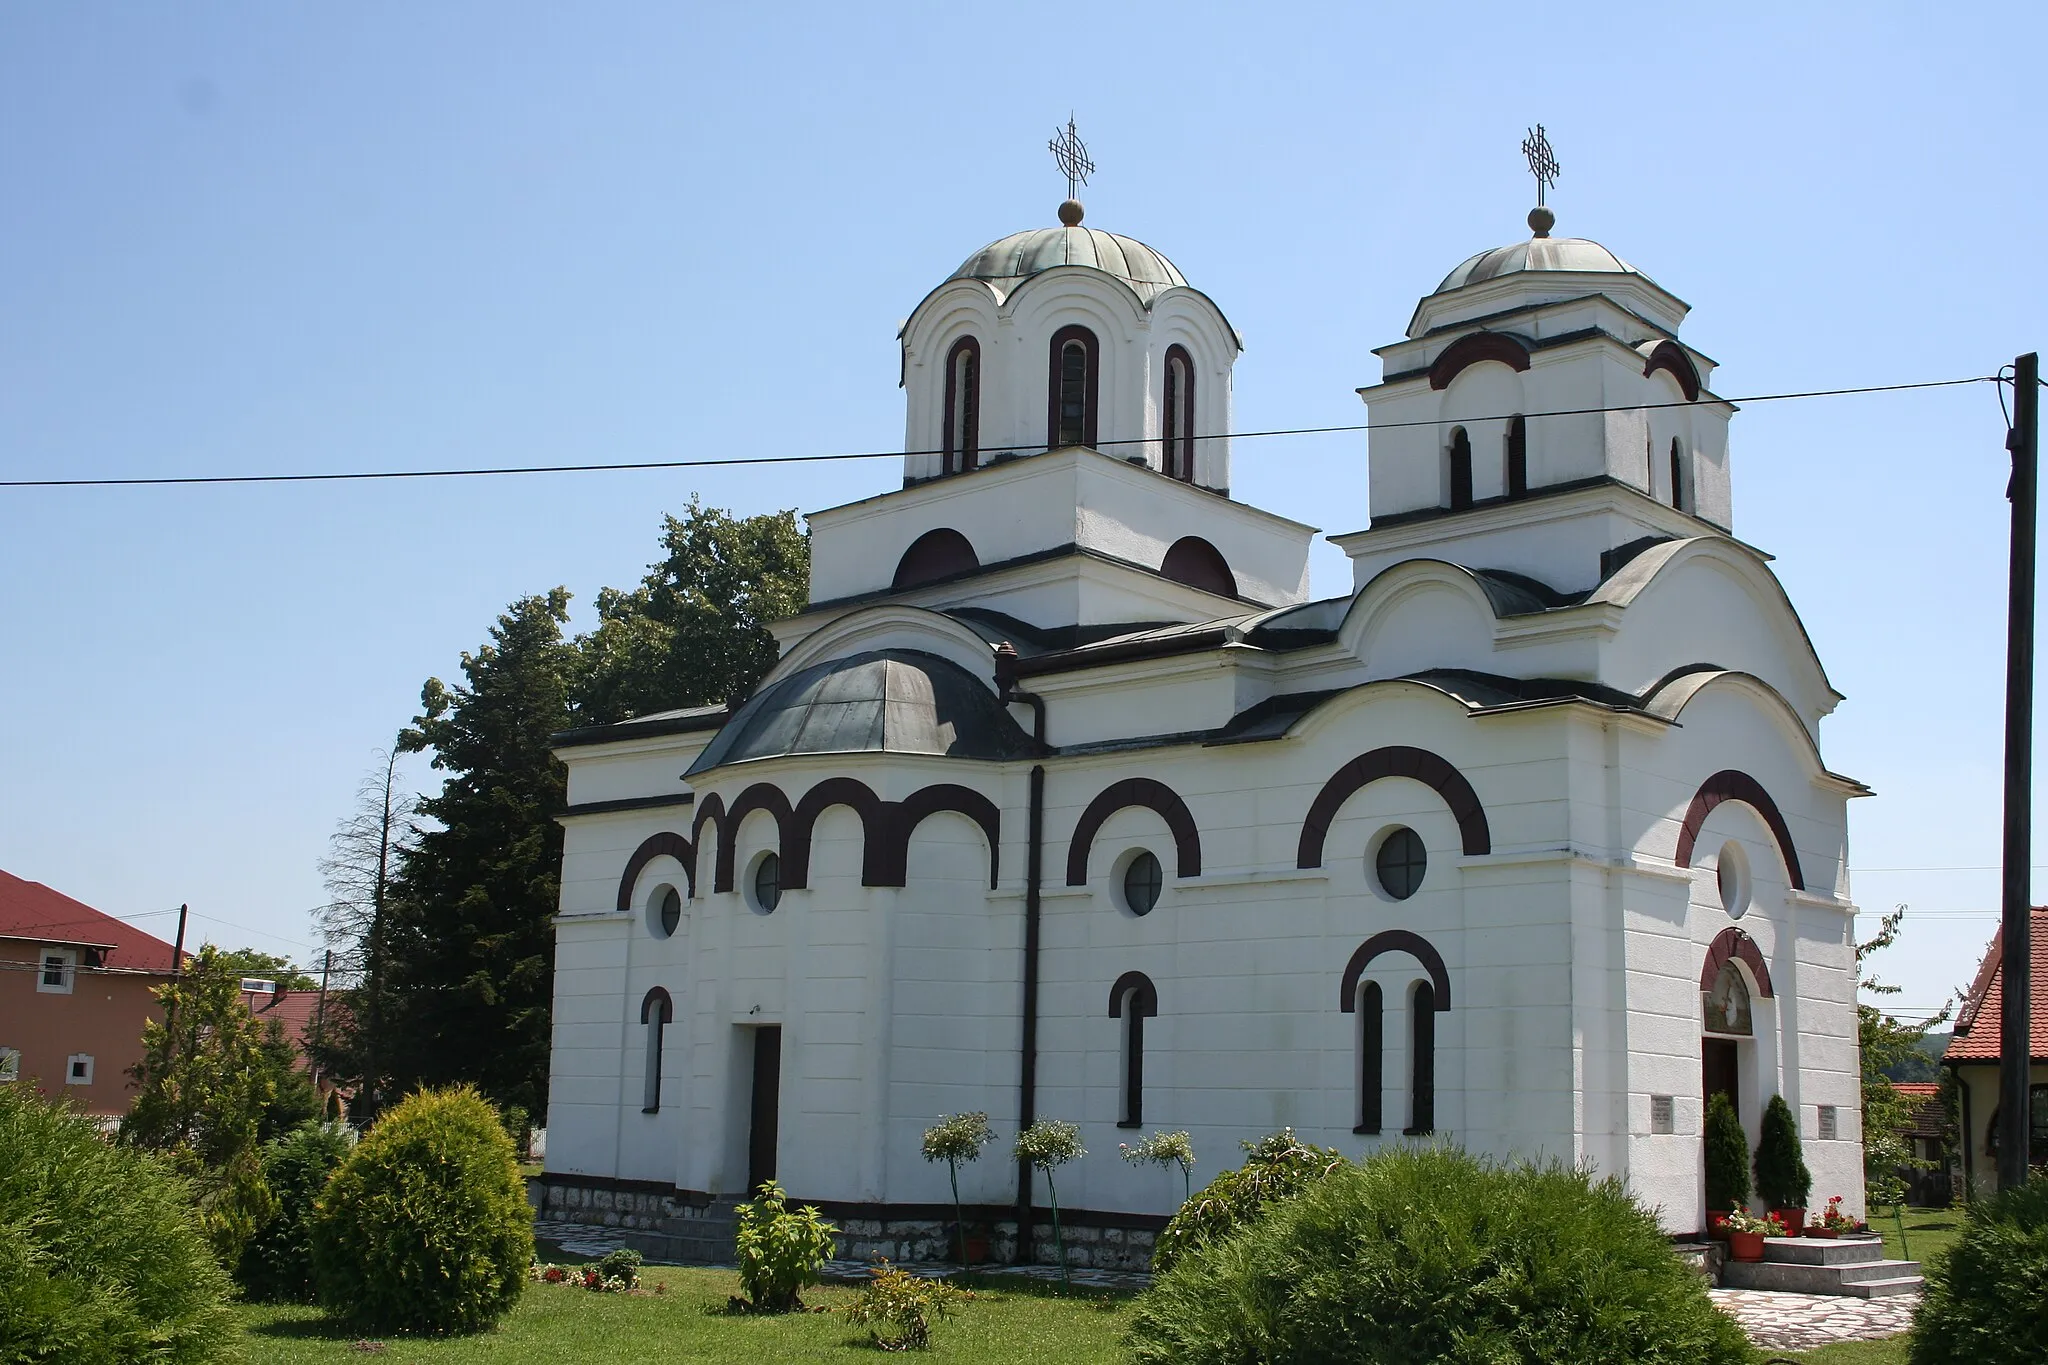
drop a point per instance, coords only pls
(953, 1140)
(1048, 1145)
(1166, 1149)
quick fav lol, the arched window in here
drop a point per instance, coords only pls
(963, 406)
(1461, 469)
(656, 1010)
(1071, 390)
(1422, 1060)
(1134, 1000)
(1371, 1060)
(1518, 457)
(1177, 417)
(1677, 475)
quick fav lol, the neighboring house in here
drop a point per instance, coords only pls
(1928, 1187)
(1974, 1054)
(296, 1013)
(75, 991)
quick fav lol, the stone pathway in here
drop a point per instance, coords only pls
(1798, 1322)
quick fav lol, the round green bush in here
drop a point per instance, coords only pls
(425, 1228)
(1987, 1300)
(1433, 1255)
(277, 1264)
(102, 1258)
(1277, 1166)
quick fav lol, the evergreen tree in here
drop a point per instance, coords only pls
(470, 938)
(695, 631)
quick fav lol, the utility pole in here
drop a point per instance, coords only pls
(320, 1006)
(178, 948)
(2016, 928)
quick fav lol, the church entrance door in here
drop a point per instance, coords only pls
(765, 1109)
(1718, 1068)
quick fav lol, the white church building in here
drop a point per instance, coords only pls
(1066, 800)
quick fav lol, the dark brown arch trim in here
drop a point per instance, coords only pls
(906, 815)
(761, 796)
(1470, 350)
(1397, 941)
(1731, 784)
(652, 847)
(658, 999)
(1670, 357)
(711, 808)
(1732, 945)
(886, 827)
(836, 791)
(1395, 760)
(1144, 996)
(1136, 791)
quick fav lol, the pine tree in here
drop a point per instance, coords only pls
(1781, 1175)
(1727, 1156)
(470, 936)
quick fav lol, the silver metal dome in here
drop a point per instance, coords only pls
(1017, 257)
(1538, 253)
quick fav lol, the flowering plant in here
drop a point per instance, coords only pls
(1742, 1220)
(1833, 1217)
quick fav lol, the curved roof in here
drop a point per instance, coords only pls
(902, 701)
(1017, 257)
(1538, 253)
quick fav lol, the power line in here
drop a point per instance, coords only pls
(725, 461)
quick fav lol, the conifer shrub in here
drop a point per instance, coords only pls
(277, 1264)
(102, 1256)
(1987, 1300)
(1276, 1167)
(1781, 1175)
(425, 1228)
(1727, 1156)
(1433, 1255)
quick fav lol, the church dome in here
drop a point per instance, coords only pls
(901, 701)
(1017, 257)
(1538, 253)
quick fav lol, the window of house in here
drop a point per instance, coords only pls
(10, 1064)
(1422, 1060)
(78, 1069)
(668, 911)
(1460, 457)
(1678, 499)
(767, 883)
(1371, 1058)
(1132, 1000)
(1142, 882)
(656, 1011)
(2037, 1128)
(1731, 878)
(962, 434)
(1518, 458)
(1073, 388)
(1400, 863)
(58, 971)
(1177, 417)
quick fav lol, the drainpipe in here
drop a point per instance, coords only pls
(1034, 881)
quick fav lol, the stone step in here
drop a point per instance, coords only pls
(1823, 1250)
(658, 1247)
(1885, 1289)
(1855, 1279)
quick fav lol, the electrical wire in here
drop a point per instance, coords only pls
(726, 461)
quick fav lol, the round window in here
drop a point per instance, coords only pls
(1142, 880)
(1400, 863)
(1731, 875)
(767, 883)
(668, 911)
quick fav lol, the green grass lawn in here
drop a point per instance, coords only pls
(1929, 1232)
(1890, 1351)
(1006, 1322)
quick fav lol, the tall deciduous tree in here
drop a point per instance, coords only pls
(695, 631)
(470, 944)
(1886, 1042)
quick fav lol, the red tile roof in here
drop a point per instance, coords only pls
(1926, 1117)
(1977, 1026)
(292, 1009)
(33, 912)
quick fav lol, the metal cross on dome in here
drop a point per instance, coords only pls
(1072, 154)
(1542, 161)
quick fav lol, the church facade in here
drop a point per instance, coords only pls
(1066, 800)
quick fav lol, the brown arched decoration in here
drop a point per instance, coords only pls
(1671, 357)
(906, 815)
(712, 808)
(760, 796)
(657, 999)
(652, 847)
(1397, 941)
(1195, 562)
(854, 794)
(1732, 945)
(1472, 349)
(938, 554)
(961, 441)
(1136, 791)
(1395, 760)
(1090, 384)
(1731, 784)
(1144, 996)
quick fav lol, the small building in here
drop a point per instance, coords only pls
(1975, 1052)
(75, 991)
(1926, 1186)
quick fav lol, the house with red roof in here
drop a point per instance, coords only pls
(75, 991)
(1974, 1055)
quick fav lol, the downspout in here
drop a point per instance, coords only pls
(1034, 881)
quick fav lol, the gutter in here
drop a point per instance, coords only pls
(1034, 883)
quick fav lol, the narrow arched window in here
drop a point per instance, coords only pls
(1461, 469)
(1371, 1060)
(962, 434)
(1422, 1060)
(1133, 1000)
(1518, 457)
(656, 1011)
(1177, 417)
(1070, 417)
(1677, 474)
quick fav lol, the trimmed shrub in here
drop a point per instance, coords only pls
(1431, 1254)
(781, 1250)
(102, 1257)
(1782, 1179)
(1987, 1300)
(1727, 1156)
(277, 1264)
(1275, 1167)
(425, 1228)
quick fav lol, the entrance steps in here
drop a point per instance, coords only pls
(1853, 1267)
(701, 1237)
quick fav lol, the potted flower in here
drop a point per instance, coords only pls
(1782, 1179)
(1832, 1222)
(1746, 1233)
(1727, 1164)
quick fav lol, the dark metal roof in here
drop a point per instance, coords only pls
(900, 701)
(678, 722)
(1017, 257)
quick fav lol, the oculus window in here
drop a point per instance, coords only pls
(767, 883)
(1142, 882)
(1400, 863)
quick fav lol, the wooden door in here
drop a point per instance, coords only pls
(767, 1093)
(1718, 1071)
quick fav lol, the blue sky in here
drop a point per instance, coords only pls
(261, 238)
